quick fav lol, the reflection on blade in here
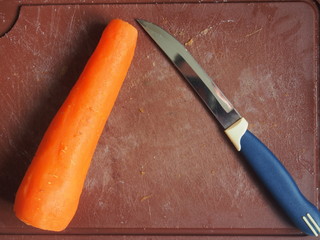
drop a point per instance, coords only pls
(217, 103)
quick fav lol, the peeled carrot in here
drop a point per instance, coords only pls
(49, 194)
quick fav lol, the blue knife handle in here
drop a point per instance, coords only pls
(280, 184)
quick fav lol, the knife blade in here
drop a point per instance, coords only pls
(277, 180)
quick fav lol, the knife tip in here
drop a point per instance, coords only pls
(138, 20)
(142, 22)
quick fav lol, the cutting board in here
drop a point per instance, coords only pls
(163, 167)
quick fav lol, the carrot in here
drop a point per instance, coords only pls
(49, 193)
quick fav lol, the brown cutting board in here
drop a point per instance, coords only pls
(163, 167)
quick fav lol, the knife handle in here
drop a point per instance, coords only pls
(280, 184)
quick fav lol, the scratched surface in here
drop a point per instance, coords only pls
(163, 165)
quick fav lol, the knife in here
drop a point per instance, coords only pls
(277, 180)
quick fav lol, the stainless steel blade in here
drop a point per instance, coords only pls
(212, 96)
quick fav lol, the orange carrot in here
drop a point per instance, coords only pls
(49, 194)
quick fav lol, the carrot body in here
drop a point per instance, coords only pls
(49, 194)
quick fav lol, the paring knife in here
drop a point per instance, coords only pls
(271, 172)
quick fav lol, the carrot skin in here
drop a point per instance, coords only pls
(49, 193)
